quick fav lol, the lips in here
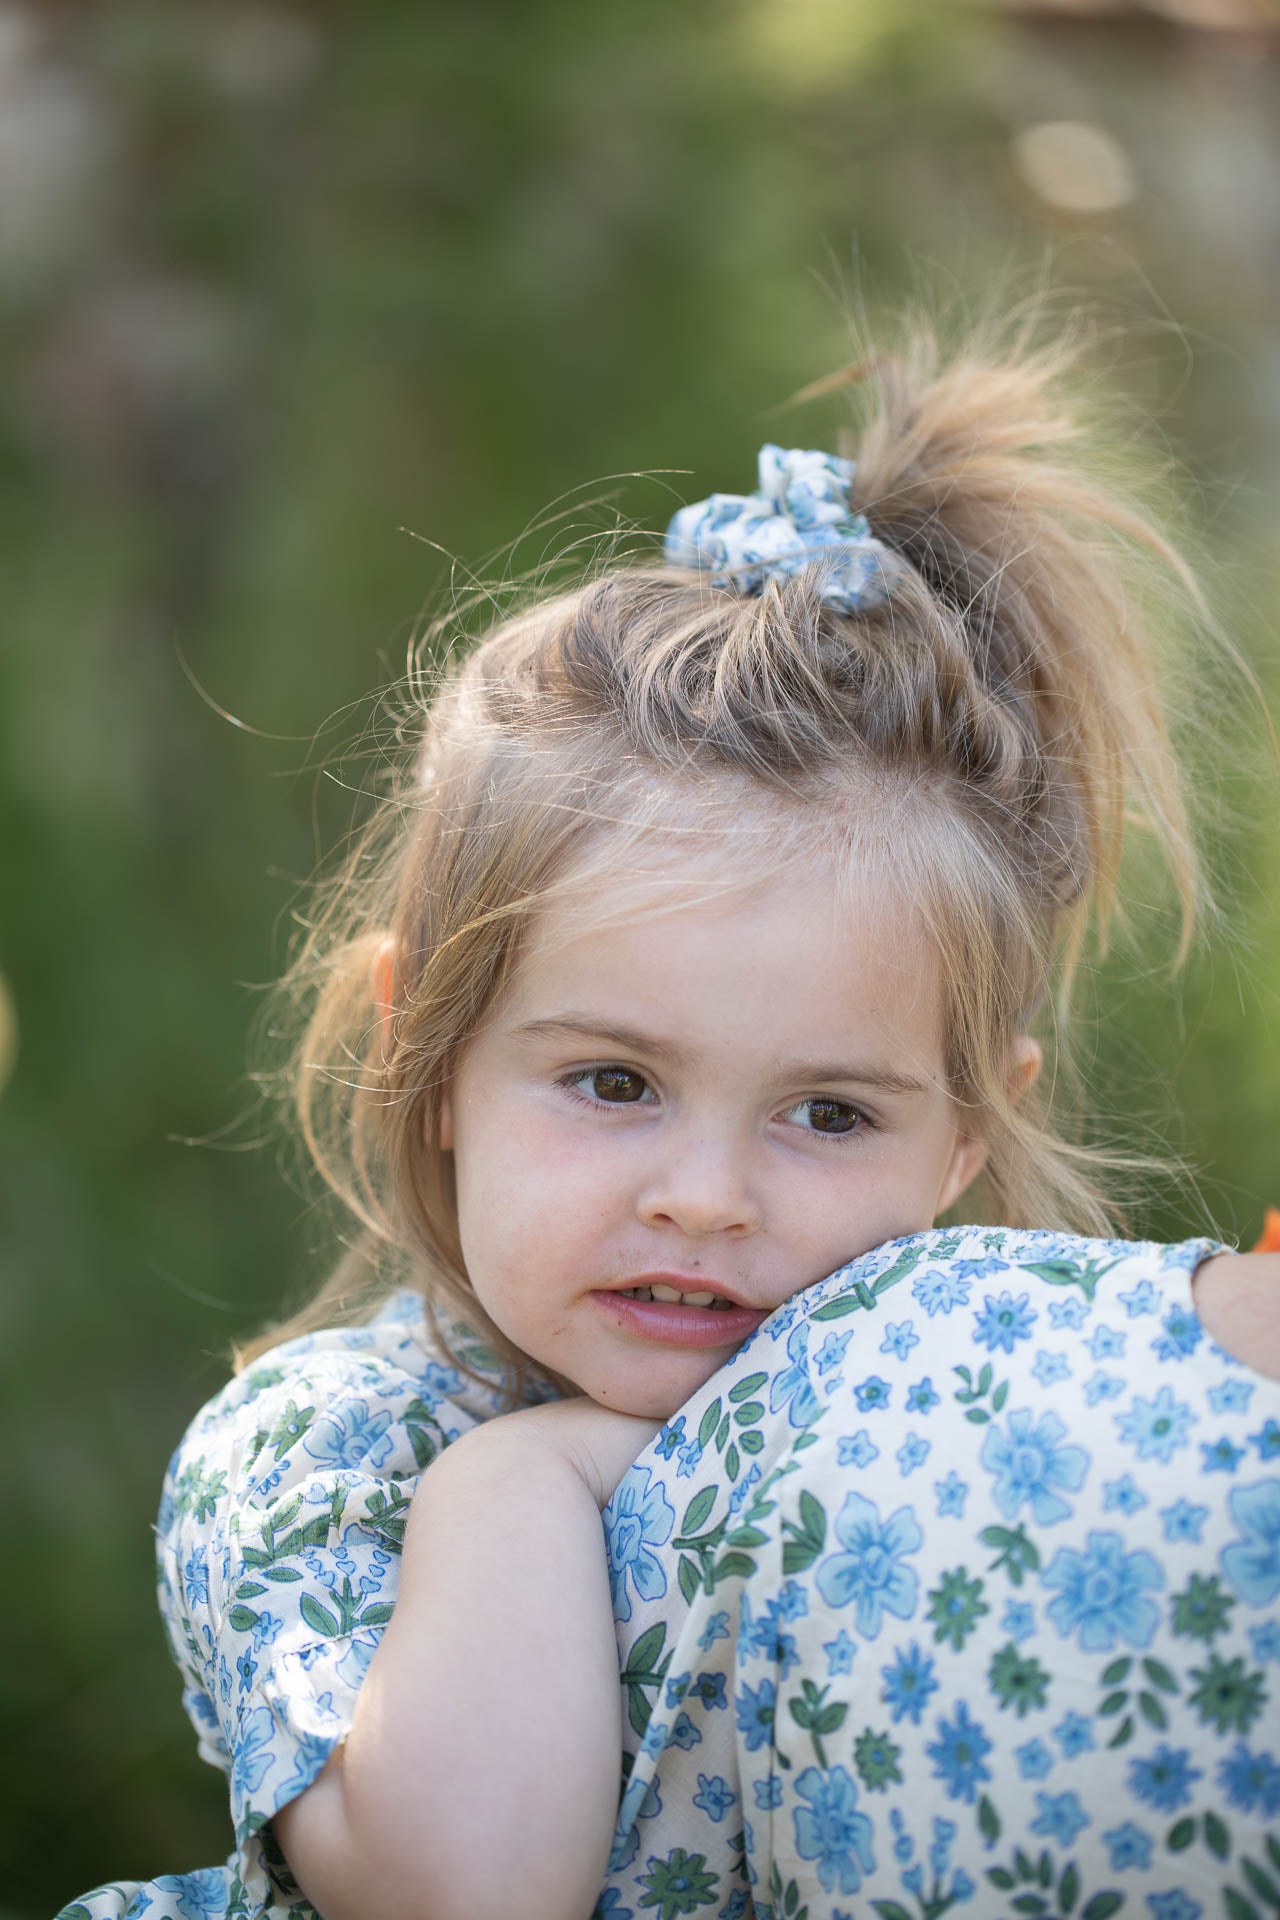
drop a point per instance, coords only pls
(678, 1323)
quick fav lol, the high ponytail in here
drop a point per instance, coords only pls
(984, 472)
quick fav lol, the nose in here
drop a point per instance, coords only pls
(702, 1187)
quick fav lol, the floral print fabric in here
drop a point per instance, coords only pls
(278, 1544)
(799, 513)
(977, 1547)
(958, 1586)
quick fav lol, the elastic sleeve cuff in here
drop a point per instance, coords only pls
(291, 1722)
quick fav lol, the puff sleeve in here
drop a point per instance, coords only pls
(278, 1549)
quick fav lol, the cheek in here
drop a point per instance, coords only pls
(535, 1174)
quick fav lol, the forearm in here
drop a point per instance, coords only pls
(483, 1760)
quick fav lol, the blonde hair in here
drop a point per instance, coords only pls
(1002, 714)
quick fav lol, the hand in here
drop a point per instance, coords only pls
(598, 1443)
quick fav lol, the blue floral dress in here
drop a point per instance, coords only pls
(958, 1586)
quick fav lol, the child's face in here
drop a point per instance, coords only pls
(733, 1096)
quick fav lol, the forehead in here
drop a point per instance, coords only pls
(677, 842)
(701, 934)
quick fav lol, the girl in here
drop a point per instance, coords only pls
(698, 960)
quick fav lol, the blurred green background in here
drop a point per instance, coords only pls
(279, 283)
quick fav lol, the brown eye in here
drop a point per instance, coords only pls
(615, 1085)
(831, 1116)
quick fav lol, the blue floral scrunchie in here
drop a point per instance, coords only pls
(800, 513)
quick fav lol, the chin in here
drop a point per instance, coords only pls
(652, 1400)
(647, 1406)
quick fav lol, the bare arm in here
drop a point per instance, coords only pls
(483, 1759)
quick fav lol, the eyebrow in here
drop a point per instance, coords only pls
(574, 1026)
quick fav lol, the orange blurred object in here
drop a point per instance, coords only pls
(1270, 1241)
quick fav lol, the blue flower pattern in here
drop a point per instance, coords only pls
(642, 1520)
(870, 1573)
(1102, 1595)
(798, 516)
(924, 1600)
(1032, 1468)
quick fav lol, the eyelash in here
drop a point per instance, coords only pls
(571, 1084)
(863, 1123)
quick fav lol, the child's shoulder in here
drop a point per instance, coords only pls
(382, 1399)
(384, 1353)
(393, 1354)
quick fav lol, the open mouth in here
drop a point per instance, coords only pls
(673, 1316)
(716, 1301)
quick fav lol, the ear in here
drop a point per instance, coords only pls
(382, 985)
(444, 1132)
(968, 1158)
(1026, 1057)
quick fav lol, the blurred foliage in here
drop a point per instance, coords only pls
(277, 284)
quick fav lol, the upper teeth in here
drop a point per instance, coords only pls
(659, 1292)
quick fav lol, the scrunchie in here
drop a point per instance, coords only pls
(799, 513)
